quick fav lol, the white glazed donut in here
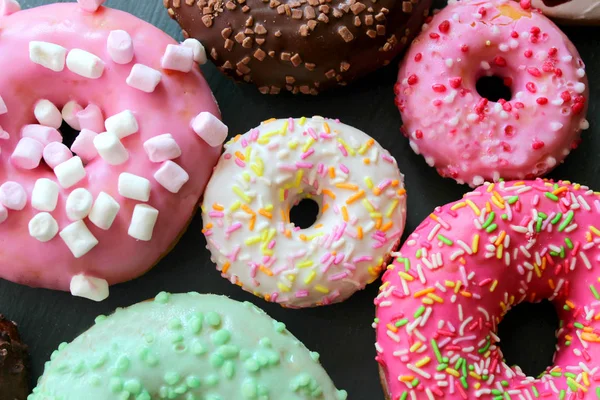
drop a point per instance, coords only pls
(267, 171)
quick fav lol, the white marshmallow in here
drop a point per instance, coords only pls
(171, 176)
(3, 108)
(44, 196)
(78, 239)
(90, 5)
(85, 64)
(210, 129)
(178, 58)
(90, 288)
(144, 78)
(79, 204)
(198, 49)
(122, 124)
(120, 47)
(13, 196)
(3, 134)
(110, 148)
(43, 227)
(142, 222)
(162, 148)
(48, 55)
(69, 114)
(3, 213)
(47, 114)
(104, 211)
(27, 154)
(70, 172)
(134, 187)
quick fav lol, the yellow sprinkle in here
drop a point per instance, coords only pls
(362, 150)
(594, 230)
(427, 300)
(415, 346)
(422, 362)
(281, 195)
(368, 182)
(494, 284)
(537, 270)
(258, 167)
(391, 208)
(435, 297)
(302, 121)
(298, 179)
(368, 205)
(499, 251)
(452, 372)
(491, 187)
(268, 121)
(586, 380)
(236, 204)
(457, 287)
(458, 205)
(236, 189)
(263, 140)
(473, 207)
(292, 144)
(475, 245)
(406, 276)
(311, 276)
(321, 289)
(449, 284)
(284, 129)
(497, 203)
(348, 148)
(307, 145)
(246, 176)
(305, 264)
(474, 375)
(252, 240)
(283, 288)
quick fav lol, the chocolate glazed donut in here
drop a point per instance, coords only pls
(580, 12)
(14, 380)
(301, 46)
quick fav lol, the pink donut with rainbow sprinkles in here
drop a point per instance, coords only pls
(522, 134)
(106, 208)
(470, 262)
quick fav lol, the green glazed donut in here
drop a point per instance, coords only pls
(187, 347)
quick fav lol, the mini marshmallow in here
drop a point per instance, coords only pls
(56, 153)
(162, 148)
(122, 124)
(47, 114)
(48, 55)
(198, 50)
(134, 187)
(142, 222)
(78, 239)
(13, 196)
(44, 196)
(85, 64)
(110, 148)
(104, 211)
(120, 47)
(91, 118)
(43, 227)
(27, 154)
(90, 5)
(43, 134)
(3, 134)
(144, 78)
(83, 145)
(70, 172)
(90, 288)
(171, 176)
(3, 108)
(178, 58)
(3, 213)
(8, 7)
(79, 204)
(69, 114)
(210, 129)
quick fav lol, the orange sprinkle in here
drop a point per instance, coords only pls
(401, 192)
(265, 270)
(386, 227)
(345, 213)
(325, 207)
(287, 233)
(355, 197)
(303, 237)
(269, 121)
(225, 267)
(551, 284)
(239, 155)
(488, 207)
(376, 191)
(500, 238)
(236, 138)
(433, 217)
(570, 304)
(559, 190)
(348, 186)
(252, 222)
(370, 142)
(331, 172)
(532, 295)
(265, 213)
(207, 227)
(248, 209)
(395, 182)
(329, 193)
(466, 294)
(218, 207)
(326, 127)
(366, 161)
(359, 232)
(588, 236)
(378, 223)
(424, 292)
(392, 328)
(590, 337)
(406, 378)
(317, 226)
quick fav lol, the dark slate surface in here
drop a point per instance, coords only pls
(341, 333)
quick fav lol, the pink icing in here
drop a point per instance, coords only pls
(170, 109)
(468, 138)
(465, 266)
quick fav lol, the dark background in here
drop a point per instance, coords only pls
(341, 333)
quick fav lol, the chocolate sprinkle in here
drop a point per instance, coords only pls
(14, 380)
(303, 46)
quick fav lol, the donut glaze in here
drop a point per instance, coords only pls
(268, 170)
(465, 136)
(186, 346)
(470, 262)
(170, 108)
(300, 46)
(582, 12)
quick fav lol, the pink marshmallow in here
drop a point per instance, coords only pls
(27, 154)
(56, 153)
(162, 148)
(8, 7)
(13, 196)
(210, 129)
(41, 133)
(144, 78)
(90, 5)
(91, 118)
(178, 58)
(3, 134)
(3, 108)
(120, 47)
(83, 145)
(171, 176)
(3, 213)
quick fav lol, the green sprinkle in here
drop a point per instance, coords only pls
(419, 312)
(405, 395)
(542, 215)
(569, 243)
(551, 196)
(491, 228)
(445, 240)
(556, 218)
(535, 391)
(402, 322)
(415, 382)
(555, 374)
(504, 217)
(513, 199)
(485, 348)
(566, 222)
(595, 292)
(489, 220)
(436, 350)
(418, 254)
(578, 325)
(538, 225)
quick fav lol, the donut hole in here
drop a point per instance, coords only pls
(493, 88)
(304, 213)
(528, 338)
(69, 134)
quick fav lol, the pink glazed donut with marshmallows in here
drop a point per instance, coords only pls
(105, 210)
(464, 135)
(465, 266)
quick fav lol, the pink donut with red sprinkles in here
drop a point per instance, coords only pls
(469, 137)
